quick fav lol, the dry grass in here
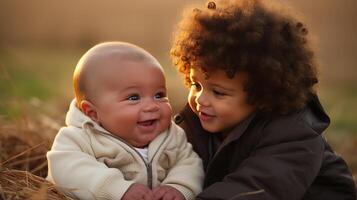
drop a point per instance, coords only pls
(23, 147)
(17, 184)
(23, 165)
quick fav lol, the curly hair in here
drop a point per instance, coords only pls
(248, 36)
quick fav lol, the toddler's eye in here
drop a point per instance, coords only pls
(195, 86)
(160, 95)
(218, 93)
(133, 97)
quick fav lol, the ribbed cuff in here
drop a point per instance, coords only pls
(187, 193)
(113, 188)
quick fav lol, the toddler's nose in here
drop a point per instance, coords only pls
(201, 99)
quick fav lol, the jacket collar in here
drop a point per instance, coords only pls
(233, 135)
(237, 131)
(75, 117)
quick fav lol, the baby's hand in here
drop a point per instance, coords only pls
(166, 192)
(138, 191)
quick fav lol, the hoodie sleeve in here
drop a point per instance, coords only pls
(72, 167)
(186, 175)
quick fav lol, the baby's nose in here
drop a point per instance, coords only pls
(151, 106)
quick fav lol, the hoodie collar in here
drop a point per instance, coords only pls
(75, 117)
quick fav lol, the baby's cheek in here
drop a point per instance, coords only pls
(168, 108)
(167, 113)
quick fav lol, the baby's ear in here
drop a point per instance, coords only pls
(89, 109)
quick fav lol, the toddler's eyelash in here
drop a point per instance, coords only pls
(217, 93)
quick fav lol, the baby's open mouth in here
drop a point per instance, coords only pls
(147, 122)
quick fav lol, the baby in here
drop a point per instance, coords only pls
(119, 141)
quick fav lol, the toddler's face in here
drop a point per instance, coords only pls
(132, 102)
(219, 102)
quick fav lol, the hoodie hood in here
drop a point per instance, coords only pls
(75, 117)
(316, 116)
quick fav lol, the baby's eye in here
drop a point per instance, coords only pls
(195, 86)
(133, 97)
(160, 95)
(218, 93)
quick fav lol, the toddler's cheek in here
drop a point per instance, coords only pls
(192, 102)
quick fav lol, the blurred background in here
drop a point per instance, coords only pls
(41, 42)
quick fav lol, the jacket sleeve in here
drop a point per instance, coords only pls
(186, 174)
(279, 168)
(72, 167)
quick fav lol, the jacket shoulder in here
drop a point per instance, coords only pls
(176, 136)
(71, 137)
(303, 124)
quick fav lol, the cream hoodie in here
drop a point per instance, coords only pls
(90, 163)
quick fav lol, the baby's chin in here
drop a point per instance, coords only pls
(143, 143)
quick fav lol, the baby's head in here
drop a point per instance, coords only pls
(122, 88)
(254, 45)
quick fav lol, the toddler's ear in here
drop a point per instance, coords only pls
(89, 109)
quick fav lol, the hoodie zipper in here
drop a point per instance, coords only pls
(148, 164)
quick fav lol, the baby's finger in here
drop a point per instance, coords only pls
(158, 193)
(168, 196)
(149, 195)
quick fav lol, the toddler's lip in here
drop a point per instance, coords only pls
(205, 116)
(205, 113)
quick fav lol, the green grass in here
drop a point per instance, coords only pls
(340, 102)
(27, 74)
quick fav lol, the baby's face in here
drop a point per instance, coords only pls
(132, 102)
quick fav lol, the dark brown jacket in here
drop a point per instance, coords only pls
(267, 157)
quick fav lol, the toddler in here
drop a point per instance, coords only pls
(253, 114)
